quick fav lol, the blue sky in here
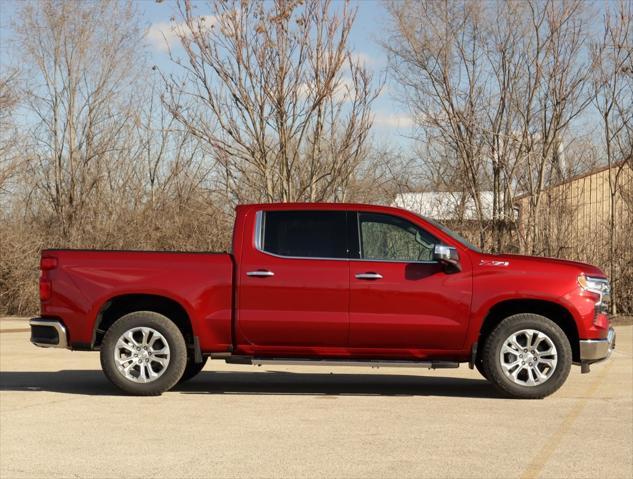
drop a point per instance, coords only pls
(391, 122)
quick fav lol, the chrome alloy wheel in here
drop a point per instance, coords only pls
(141, 354)
(528, 357)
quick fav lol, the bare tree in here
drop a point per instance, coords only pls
(81, 60)
(493, 94)
(10, 160)
(436, 53)
(613, 98)
(274, 94)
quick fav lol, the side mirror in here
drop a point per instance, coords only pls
(448, 256)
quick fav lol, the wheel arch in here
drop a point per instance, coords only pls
(549, 309)
(118, 306)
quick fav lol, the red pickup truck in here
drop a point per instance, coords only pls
(334, 284)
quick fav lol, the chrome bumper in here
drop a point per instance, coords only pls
(594, 350)
(48, 333)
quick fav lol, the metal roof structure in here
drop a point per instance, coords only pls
(445, 205)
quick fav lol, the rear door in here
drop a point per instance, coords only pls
(294, 282)
(400, 299)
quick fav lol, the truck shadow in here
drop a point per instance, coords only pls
(94, 383)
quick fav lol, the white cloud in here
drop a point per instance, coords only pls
(163, 36)
(392, 120)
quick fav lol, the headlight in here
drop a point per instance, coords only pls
(599, 286)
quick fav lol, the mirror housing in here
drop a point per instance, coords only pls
(448, 256)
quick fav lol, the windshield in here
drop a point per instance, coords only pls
(452, 234)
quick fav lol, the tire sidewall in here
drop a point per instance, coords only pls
(516, 323)
(177, 348)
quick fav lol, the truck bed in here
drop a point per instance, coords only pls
(86, 281)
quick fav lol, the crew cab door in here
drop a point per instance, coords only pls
(400, 299)
(294, 283)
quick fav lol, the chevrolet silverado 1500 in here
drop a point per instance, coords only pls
(327, 284)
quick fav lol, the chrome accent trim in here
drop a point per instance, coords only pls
(360, 363)
(262, 274)
(259, 221)
(595, 350)
(57, 326)
(369, 276)
(259, 231)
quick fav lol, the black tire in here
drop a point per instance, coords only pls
(492, 361)
(177, 353)
(479, 364)
(192, 369)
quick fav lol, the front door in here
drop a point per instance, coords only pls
(400, 299)
(294, 283)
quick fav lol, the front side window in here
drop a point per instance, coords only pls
(386, 237)
(307, 234)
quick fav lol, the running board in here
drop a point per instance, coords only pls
(378, 363)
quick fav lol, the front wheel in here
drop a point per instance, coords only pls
(527, 356)
(143, 353)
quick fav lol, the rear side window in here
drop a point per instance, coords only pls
(309, 234)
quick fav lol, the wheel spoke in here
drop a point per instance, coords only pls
(516, 372)
(509, 350)
(122, 344)
(513, 341)
(539, 339)
(510, 366)
(162, 361)
(162, 351)
(128, 335)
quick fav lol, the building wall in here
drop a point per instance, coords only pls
(573, 219)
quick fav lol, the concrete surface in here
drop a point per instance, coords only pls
(59, 417)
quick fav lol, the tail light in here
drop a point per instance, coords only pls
(46, 289)
(47, 263)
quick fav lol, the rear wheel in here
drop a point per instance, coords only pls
(527, 356)
(192, 369)
(143, 353)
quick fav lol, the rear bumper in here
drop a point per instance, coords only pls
(594, 350)
(48, 333)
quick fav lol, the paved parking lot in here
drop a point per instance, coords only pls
(59, 417)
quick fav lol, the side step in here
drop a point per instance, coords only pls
(373, 363)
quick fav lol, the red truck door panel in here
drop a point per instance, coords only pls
(399, 297)
(294, 282)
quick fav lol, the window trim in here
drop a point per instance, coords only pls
(260, 220)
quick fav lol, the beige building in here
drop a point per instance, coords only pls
(573, 217)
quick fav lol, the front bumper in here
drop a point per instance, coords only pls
(594, 350)
(48, 333)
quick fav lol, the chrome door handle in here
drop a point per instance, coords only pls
(369, 276)
(261, 273)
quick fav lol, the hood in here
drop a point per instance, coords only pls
(516, 261)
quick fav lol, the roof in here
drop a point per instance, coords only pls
(447, 205)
